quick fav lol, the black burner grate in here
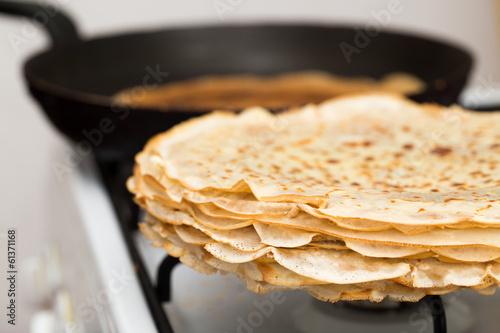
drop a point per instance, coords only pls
(115, 174)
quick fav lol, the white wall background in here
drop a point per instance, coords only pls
(28, 142)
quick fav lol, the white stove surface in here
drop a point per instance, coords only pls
(105, 291)
(222, 304)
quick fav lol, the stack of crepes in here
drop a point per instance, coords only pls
(361, 197)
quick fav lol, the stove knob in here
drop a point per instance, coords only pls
(65, 314)
(36, 283)
(43, 322)
(45, 275)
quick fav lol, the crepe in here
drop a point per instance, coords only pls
(470, 244)
(236, 92)
(331, 198)
(339, 149)
(428, 276)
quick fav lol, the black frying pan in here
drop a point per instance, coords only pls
(74, 80)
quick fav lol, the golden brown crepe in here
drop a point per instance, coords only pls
(331, 199)
(236, 92)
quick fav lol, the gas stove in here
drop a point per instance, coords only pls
(103, 276)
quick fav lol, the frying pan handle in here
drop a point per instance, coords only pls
(59, 26)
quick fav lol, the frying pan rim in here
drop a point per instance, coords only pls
(60, 91)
